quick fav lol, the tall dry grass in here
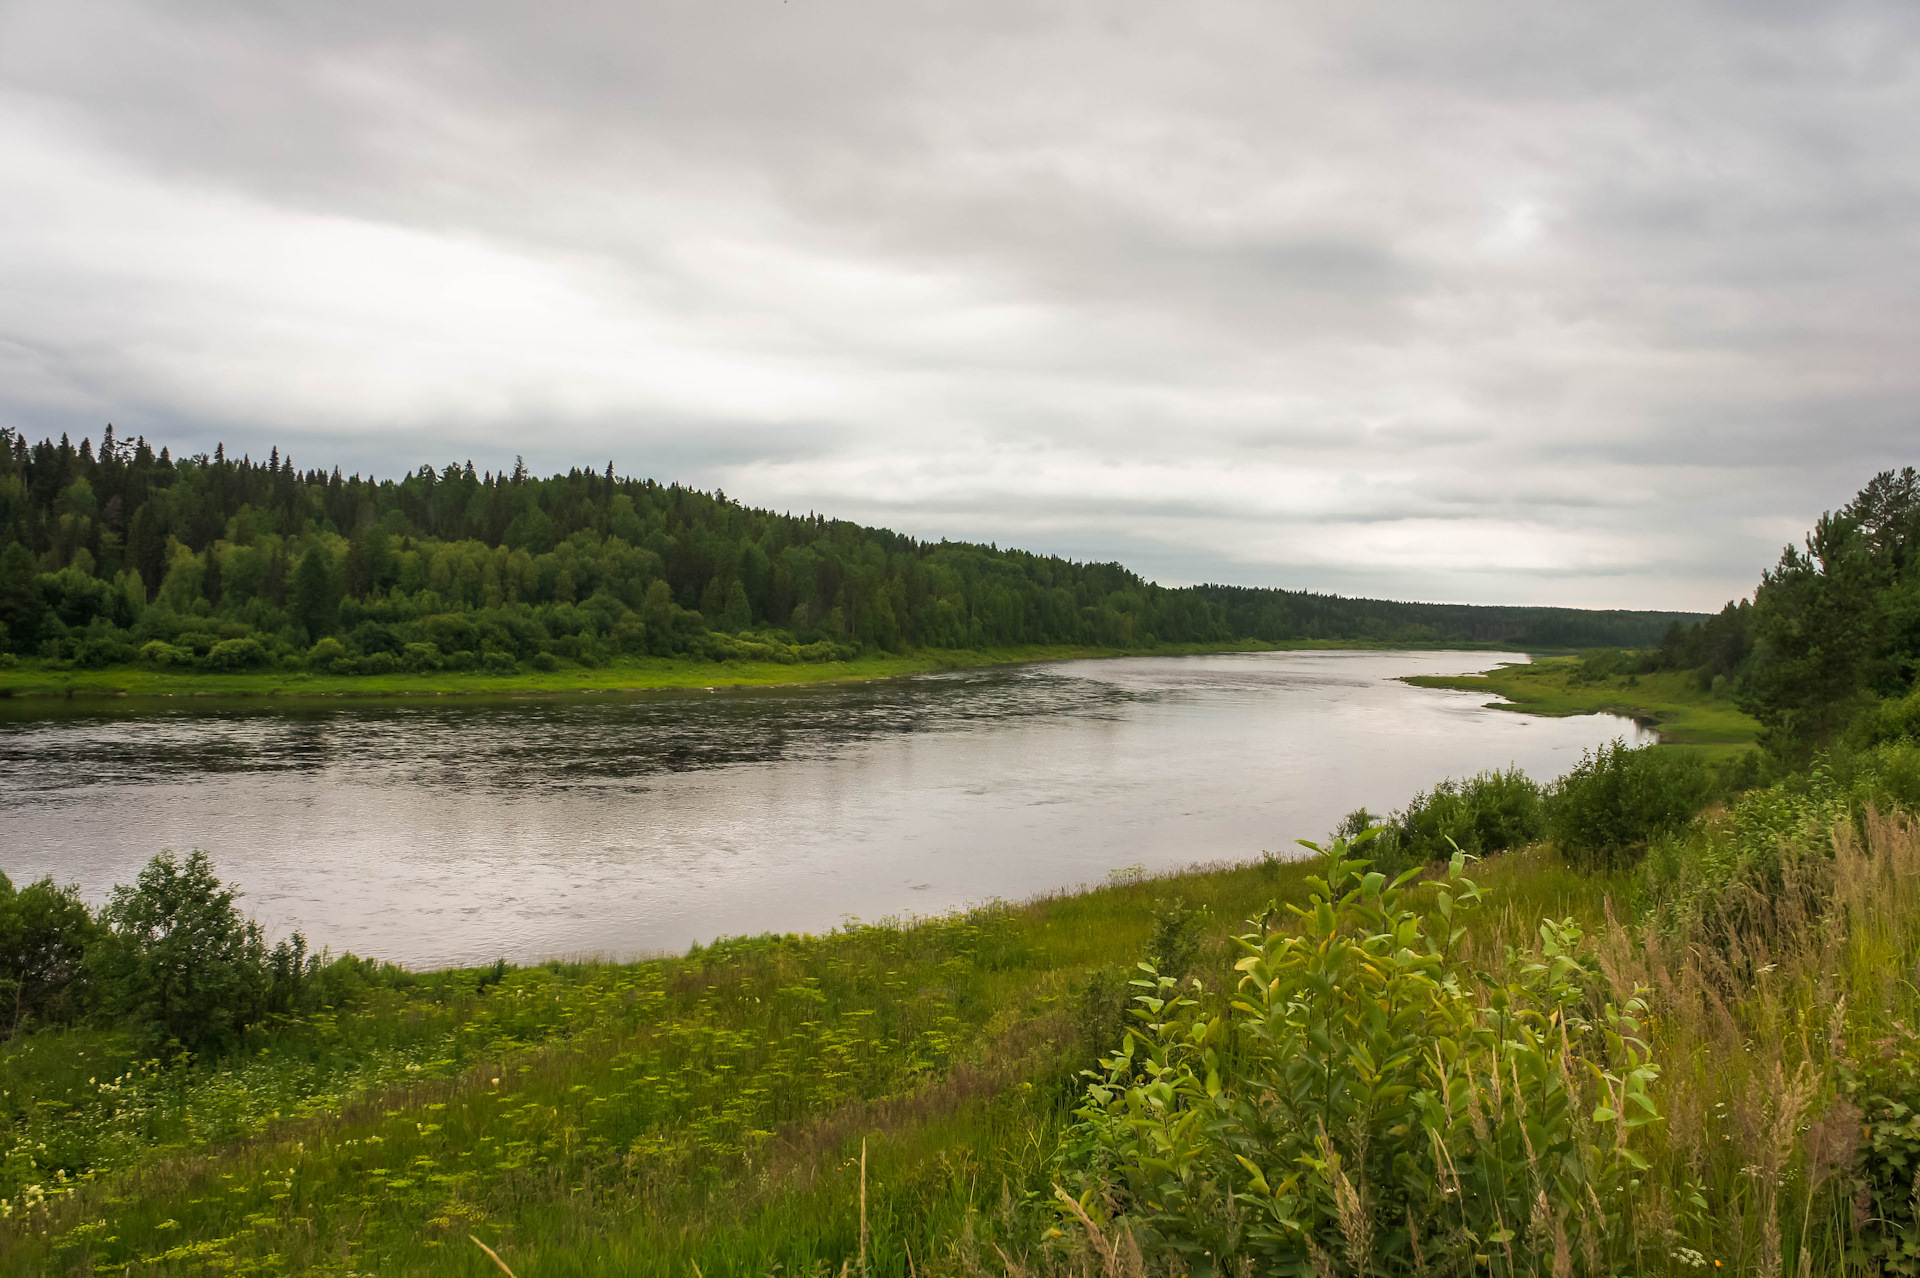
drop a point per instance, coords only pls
(1770, 999)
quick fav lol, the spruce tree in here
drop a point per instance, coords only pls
(314, 605)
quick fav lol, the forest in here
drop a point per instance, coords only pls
(115, 554)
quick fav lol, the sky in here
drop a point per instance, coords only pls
(1577, 304)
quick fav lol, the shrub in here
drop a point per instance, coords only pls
(44, 935)
(1362, 1099)
(419, 658)
(499, 663)
(237, 654)
(327, 656)
(1886, 1093)
(97, 652)
(180, 961)
(1175, 946)
(161, 653)
(1619, 798)
(1491, 812)
(1100, 1008)
(545, 661)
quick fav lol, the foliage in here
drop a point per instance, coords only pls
(1364, 1108)
(181, 963)
(1619, 798)
(103, 555)
(1490, 812)
(1177, 928)
(45, 931)
(652, 1117)
(1836, 624)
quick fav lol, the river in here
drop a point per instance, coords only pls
(455, 830)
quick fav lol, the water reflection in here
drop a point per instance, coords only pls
(457, 829)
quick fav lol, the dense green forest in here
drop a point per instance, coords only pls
(1827, 652)
(118, 553)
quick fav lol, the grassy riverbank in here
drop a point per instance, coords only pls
(1672, 702)
(894, 1098)
(642, 1118)
(35, 679)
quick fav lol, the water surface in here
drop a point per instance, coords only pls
(455, 830)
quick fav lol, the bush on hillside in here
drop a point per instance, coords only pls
(1620, 798)
(184, 966)
(1489, 813)
(44, 934)
(1366, 1106)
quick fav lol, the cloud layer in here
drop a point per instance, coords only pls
(1560, 304)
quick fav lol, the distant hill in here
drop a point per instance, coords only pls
(120, 553)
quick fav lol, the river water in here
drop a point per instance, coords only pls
(458, 830)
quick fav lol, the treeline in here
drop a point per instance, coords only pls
(120, 553)
(1826, 654)
(1279, 615)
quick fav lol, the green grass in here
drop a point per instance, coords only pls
(1671, 702)
(35, 679)
(641, 1118)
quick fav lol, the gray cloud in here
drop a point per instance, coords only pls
(1569, 304)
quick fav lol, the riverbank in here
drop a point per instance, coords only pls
(35, 679)
(708, 1113)
(899, 1098)
(1670, 702)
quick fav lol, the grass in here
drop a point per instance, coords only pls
(648, 1118)
(1671, 702)
(36, 679)
(742, 1109)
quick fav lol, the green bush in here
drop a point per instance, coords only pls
(545, 661)
(237, 654)
(1886, 1094)
(1619, 798)
(179, 960)
(499, 663)
(328, 656)
(1177, 929)
(1491, 812)
(419, 658)
(161, 653)
(1367, 1107)
(44, 935)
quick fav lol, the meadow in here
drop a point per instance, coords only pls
(34, 679)
(1673, 702)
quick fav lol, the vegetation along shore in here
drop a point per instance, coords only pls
(1653, 1017)
(127, 569)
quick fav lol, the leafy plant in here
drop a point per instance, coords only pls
(1491, 812)
(180, 960)
(1366, 1105)
(1177, 929)
(44, 933)
(1619, 798)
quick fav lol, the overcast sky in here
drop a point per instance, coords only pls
(1541, 303)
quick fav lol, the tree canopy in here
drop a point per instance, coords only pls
(119, 552)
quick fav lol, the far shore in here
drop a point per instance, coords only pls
(34, 680)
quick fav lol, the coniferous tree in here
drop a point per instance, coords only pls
(314, 607)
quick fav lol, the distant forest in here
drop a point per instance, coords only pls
(118, 553)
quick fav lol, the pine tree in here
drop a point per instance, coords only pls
(314, 603)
